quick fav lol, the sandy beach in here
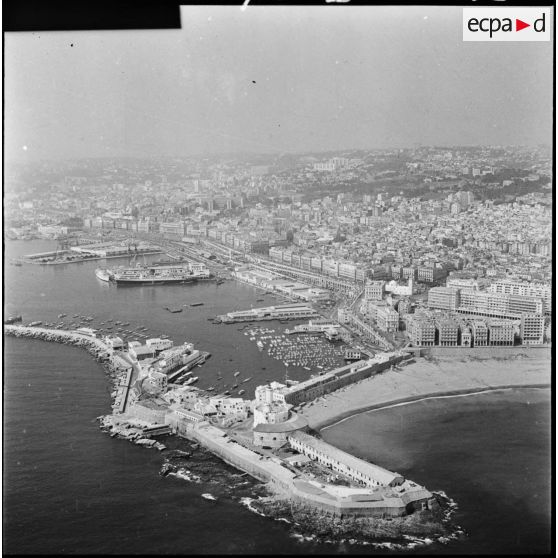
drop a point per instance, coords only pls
(434, 377)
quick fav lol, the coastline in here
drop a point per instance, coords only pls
(426, 379)
(415, 399)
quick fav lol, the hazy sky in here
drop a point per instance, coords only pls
(273, 79)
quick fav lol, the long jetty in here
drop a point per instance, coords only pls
(95, 346)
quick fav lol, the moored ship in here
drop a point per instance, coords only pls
(155, 274)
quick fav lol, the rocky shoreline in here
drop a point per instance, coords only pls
(128, 429)
(418, 528)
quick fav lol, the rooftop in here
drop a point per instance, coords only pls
(375, 472)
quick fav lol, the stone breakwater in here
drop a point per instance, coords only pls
(93, 345)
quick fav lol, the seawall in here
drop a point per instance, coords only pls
(488, 352)
(288, 485)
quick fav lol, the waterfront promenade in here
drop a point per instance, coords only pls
(430, 378)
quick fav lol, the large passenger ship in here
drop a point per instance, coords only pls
(155, 274)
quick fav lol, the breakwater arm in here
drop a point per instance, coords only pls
(95, 346)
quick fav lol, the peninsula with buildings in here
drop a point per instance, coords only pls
(404, 255)
(265, 437)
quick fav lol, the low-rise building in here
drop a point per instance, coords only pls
(158, 345)
(358, 470)
(466, 336)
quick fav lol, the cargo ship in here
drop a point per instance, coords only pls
(155, 274)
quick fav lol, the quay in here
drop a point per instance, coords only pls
(279, 312)
(69, 256)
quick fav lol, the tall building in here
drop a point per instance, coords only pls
(422, 331)
(500, 332)
(444, 298)
(532, 329)
(447, 332)
(374, 290)
(524, 289)
(480, 333)
(495, 305)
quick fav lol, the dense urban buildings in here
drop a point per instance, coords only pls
(424, 247)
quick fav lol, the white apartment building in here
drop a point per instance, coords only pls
(524, 289)
(532, 329)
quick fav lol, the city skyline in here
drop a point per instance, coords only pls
(271, 80)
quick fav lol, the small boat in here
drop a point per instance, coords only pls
(236, 374)
(208, 496)
(61, 315)
(246, 380)
(197, 304)
(32, 324)
(210, 388)
(242, 392)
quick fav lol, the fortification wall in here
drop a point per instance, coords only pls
(269, 471)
